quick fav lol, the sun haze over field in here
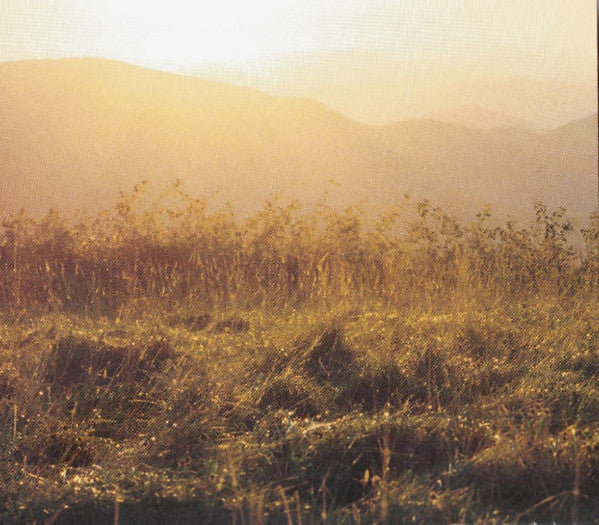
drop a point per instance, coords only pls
(375, 61)
(322, 261)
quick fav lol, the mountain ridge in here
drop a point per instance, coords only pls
(412, 92)
(75, 132)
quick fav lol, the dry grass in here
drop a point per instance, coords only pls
(298, 367)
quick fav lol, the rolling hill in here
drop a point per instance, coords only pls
(409, 89)
(75, 132)
(474, 116)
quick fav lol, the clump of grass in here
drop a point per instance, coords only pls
(74, 361)
(486, 342)
(432, 376)
(233, 323)
(194, 322)
(352, 379)
(376, 385)
(328, 357)
(293, 393)
(545, 469)
(53, 444)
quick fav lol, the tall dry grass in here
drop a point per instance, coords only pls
(175, 251)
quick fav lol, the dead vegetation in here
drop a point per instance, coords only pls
(298, 368)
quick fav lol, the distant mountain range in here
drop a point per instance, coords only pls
(474, 116)
(75, 132)
(374, 88)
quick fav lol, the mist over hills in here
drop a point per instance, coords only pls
(75, 132)
(455, 92)
(474, 116)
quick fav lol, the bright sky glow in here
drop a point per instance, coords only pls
(182, 34)
(373, 47)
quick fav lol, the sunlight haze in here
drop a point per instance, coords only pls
(312, 261)
(374, 61)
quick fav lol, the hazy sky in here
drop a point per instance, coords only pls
(280, 44)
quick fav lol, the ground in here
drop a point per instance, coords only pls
(351, 413)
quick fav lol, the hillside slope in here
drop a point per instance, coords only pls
(75, 132)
